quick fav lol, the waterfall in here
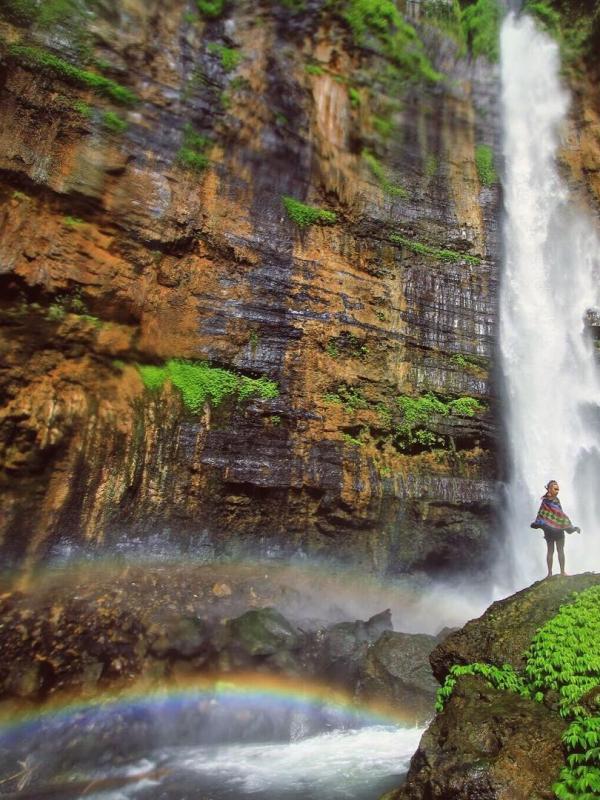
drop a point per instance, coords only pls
(550, 285)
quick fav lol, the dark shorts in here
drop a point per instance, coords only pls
(553, 536)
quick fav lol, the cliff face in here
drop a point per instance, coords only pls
(138, 231)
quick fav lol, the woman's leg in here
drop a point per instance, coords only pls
(550, 557)
(560, 549)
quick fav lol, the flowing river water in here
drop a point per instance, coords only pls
(550, 288)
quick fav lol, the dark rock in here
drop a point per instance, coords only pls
(396, 668)
(184, 637)
(503, 633)
(263, 632)
(487, 745)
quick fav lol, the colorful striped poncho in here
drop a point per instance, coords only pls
(551, 515)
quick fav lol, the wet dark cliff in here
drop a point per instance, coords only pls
(144, 220)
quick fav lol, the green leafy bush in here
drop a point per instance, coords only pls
(211, 8)
(228, 56)
(395, 38)
(434, 252)
(198, 383)
(304, 215)
(503, 677)
(419, 415)
(481, 25)
(46, 61)
(191, 154)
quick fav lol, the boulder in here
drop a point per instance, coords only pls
(486, 745)
(503, 633)
(263, 632)
(396, 668)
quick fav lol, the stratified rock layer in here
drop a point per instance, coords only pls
(115, 252)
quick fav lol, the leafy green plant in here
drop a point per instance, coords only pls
(383, 126)
(378, 171)
(434, 252)
(113, 122)
(304, 215)
(419, 416)
(191, 154)
(83, 109)
(354, 97)
(42, 59)
(484, 160)
(563, 659)
(348, 397)
(211, 8)
(314, 69)
(228, 56)
(448, 18)
(481, 25)
(198, 383)
(395, 38)
(73, 222)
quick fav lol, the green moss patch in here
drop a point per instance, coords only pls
(46, 61)
(199, 383)
(304, 215)
(228, 56)
(211, 9)
(433, 252)
(191, 155)
(377, 168)
(484, 160)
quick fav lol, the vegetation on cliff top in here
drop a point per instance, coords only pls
(475, 27)
(379, 22)
(198, 382)
(575, 26)
(562, 660)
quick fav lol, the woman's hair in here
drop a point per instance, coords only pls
(549, 484)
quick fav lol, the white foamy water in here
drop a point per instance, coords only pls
(356, 765)
(550, 282)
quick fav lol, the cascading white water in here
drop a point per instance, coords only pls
(551, 280)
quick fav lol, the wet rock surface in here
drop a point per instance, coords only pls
(147, 626)
(136, 258)
(489, 744)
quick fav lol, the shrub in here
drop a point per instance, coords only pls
(396, 39)
(211, 8)
(191, 154)
(198, 383)
(304, 215)
(228, 56)
(481, 25)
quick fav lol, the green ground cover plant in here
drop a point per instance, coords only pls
(419, 414)
(113, 122)
(563, 659)
(382, 22)
(44, 60)
(484, 161)
(481, 26)
(199, 382)
(228, 56)
(191, 155)
(304, 215)
(211, 9)
(434, 252)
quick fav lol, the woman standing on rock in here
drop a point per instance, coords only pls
(554, 522)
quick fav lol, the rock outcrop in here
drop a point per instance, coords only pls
(488, 743)
(143, 221)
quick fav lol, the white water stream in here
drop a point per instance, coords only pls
(551, 279)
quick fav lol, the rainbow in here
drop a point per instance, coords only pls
(241, 689)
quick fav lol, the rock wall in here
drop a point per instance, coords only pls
(133, 234)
